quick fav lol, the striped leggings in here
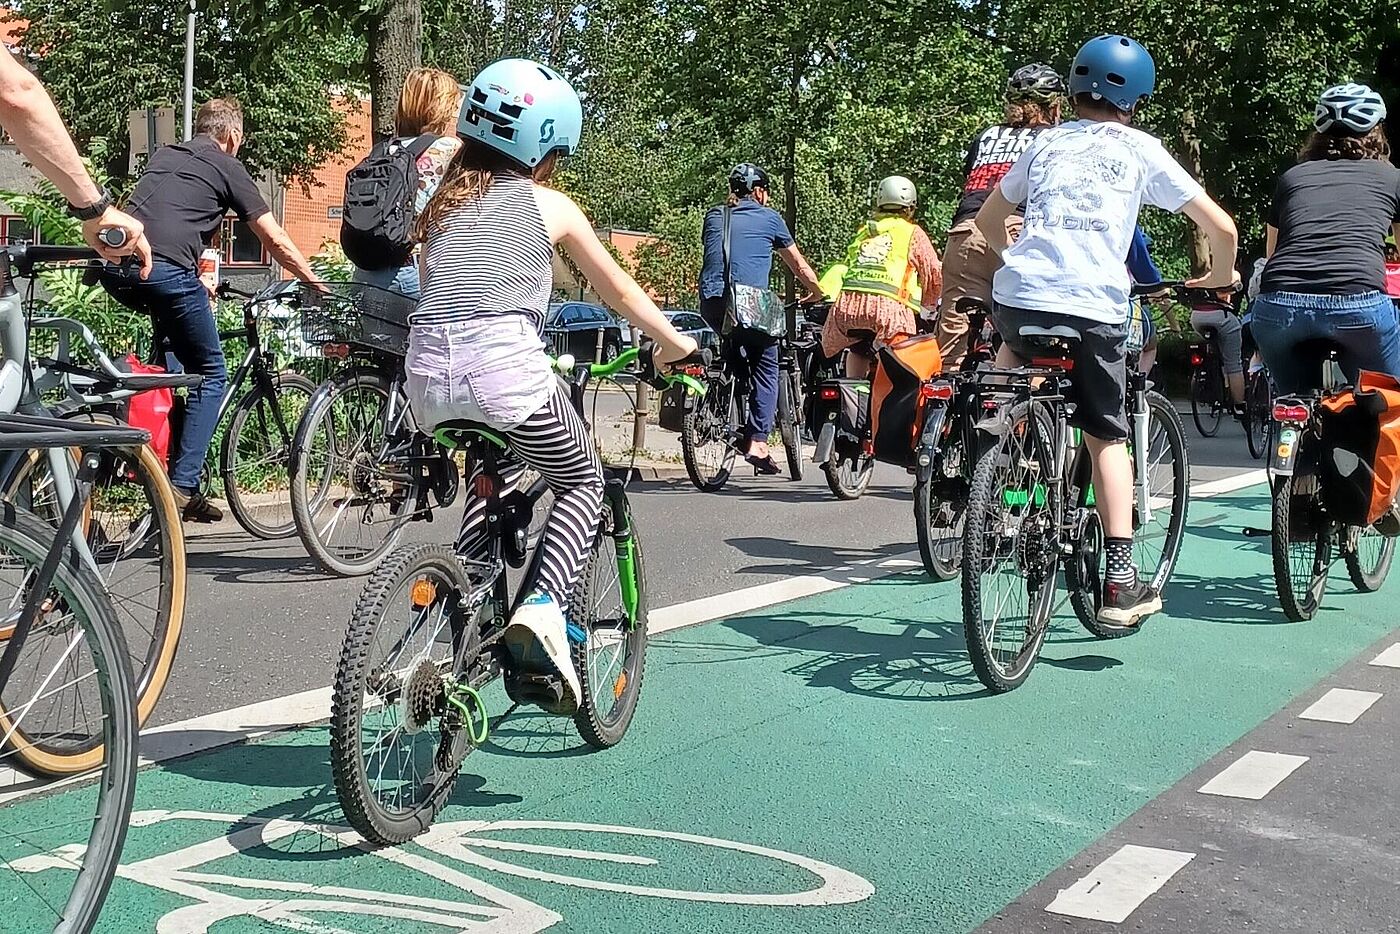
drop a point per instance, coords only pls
(555, 442)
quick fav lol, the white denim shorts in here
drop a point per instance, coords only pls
(492, 370)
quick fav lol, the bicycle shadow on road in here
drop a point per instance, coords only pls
(298, 775)
(796, 558)
(1238, 600)
(233, 564)
(902, 661)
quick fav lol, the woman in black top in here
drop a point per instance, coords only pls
(1325, 278)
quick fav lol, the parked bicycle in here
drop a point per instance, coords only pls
(65, 684)
(1303, 536)
(131, 535)
(425, 638)
(1031, 510)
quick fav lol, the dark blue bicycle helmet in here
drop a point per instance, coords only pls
(1116, 69)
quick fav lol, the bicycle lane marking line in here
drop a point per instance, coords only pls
(1115, 888)
(252, 721)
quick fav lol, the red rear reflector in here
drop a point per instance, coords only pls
(485, 485)
(829, 393)
(335, 351)
(693, 370)
(940, 391)
(1290, 413)
(1197, 359)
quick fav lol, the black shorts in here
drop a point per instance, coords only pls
(1100, 373)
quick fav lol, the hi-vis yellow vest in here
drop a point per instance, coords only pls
(877, 261)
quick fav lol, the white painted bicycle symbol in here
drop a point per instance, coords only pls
(508, 847)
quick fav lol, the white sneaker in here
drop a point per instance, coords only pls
(537, 634)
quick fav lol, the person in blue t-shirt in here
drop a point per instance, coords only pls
(756, 232)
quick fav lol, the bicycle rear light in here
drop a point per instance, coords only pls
(828, 393)
(1283, 412)
(940, 391)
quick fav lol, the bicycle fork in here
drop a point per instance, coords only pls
(625, 547)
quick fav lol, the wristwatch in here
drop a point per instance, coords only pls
(92, 211)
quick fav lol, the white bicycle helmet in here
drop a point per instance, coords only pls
(1355, 107)
(896, 192)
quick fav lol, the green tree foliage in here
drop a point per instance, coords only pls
(101, 62)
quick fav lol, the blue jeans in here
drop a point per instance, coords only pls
(179, 304)
(753, 356)
(403, 280)
(1362, 327)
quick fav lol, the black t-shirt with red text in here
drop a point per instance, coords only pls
(989, 158)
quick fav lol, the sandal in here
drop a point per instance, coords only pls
(764, 465)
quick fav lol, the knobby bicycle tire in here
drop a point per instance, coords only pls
(258, 412)
(983, 548)
(941, 562)
(600, 726)
(704, 426)
(362, 806)
(1299, 598)
(29, 538)
(161, 625)
(313, 479)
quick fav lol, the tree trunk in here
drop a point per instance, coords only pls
(1191, 154)
(395, 48)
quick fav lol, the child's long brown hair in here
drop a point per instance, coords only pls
(468, 177)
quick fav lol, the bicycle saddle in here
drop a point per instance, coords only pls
(1048, 336)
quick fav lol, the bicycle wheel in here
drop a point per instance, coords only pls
(134, 533)
(1301, 541)
(71, 679)
(351, 496)
(256, 456)
(1157, 535)
(1206, 410)
(1010, 556)
(789, 420)
(612, 660)
(940, 513)
(1367, 555)
(396, 741)
(708, 437)
(848, 476)
(1258, 407)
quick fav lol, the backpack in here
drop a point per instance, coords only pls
(376, 223)
(1361, 433)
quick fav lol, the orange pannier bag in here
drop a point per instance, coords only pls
(1359, 468)
(896, 407)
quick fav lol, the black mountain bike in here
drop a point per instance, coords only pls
(1303, 536)
(1031, 510)
(426, 636)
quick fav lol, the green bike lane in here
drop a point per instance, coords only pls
(827, 765)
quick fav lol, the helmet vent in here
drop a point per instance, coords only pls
(545, 72)
(511, 110)
(1116, 79)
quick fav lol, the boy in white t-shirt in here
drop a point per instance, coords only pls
(1082, 185)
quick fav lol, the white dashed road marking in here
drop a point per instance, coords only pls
(1253, 775)
(1341, 705)
(1117, 886)
(1390, 658)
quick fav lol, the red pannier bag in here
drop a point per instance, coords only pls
(150, 410)
(1359, 468)
(896, 406)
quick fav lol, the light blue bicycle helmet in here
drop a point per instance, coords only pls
(523, 109)
(1116, 69)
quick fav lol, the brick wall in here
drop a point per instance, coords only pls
(307, 213)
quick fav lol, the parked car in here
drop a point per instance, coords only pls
(692, 325)
(572, 327)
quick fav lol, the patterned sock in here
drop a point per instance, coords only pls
(1119, 553)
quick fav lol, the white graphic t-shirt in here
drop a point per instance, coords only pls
(1082, 184)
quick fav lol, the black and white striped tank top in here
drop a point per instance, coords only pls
(491, 257)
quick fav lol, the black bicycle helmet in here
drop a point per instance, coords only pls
(1035, 82)
(746, 177)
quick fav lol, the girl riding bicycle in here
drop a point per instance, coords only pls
(1325, 278)
(476, 350)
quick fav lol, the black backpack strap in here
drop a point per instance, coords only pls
(420, 145)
